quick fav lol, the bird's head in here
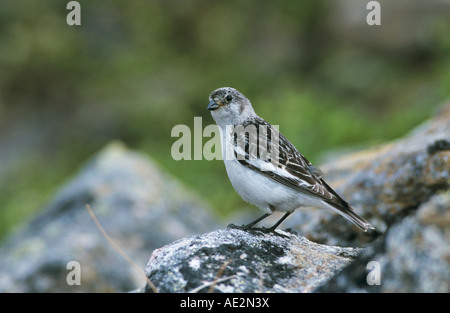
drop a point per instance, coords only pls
(229, 107)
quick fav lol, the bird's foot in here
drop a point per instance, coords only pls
(251, 229)
(242, 227)
(272, 230)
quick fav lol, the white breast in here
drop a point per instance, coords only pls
(260, 190)
(254, 187)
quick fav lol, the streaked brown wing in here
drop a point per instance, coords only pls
(302, 175)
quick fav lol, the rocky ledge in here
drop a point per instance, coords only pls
(233, 260)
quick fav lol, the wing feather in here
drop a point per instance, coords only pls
(290, 168)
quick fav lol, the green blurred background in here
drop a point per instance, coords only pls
(135, 69)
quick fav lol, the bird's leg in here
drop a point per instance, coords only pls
(250, 225)
(272, 229)
(279, 221)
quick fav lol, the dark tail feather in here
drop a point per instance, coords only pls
(349, 214)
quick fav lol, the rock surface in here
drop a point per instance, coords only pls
(233, 260)
(139, 206)
(413, 256)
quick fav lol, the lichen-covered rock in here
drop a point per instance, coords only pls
(233, 260)
(413, 256)
(140, 207)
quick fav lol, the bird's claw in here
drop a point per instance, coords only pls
(250, 229)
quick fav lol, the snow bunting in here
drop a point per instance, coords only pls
(265, 168)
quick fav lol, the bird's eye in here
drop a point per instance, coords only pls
(229, 98)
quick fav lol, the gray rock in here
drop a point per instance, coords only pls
(140, 207)
(233, 260)
(413, 256)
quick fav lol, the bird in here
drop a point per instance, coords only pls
(265, 168)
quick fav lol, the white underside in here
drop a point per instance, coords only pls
(266, 193)
(257, 189)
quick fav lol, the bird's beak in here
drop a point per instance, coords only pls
(213, 105)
